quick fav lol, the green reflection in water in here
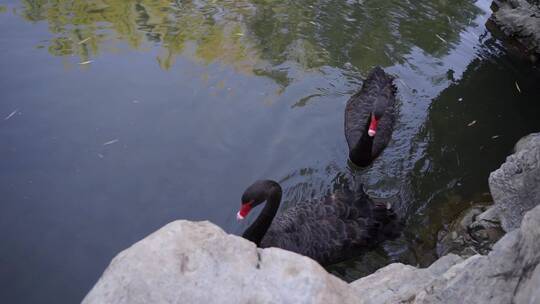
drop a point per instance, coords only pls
(83, 28)
(247, 33)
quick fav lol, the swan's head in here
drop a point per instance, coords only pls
(244, 210)
(253, 196)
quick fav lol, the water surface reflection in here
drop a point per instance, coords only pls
(179, 105)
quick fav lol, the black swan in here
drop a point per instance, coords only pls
(369, 117)
(328, 230)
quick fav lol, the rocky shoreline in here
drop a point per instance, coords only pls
(518, 20)
(197, 262)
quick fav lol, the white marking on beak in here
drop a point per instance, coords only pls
(238, 216)
(371, 132)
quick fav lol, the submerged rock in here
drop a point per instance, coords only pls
(475, 231)
(515, 186)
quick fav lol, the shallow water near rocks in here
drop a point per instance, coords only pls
(118, 117)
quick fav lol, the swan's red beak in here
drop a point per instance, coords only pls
(373, 126)
(244, 210)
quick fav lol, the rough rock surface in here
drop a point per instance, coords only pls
(398, 283)
(520, 19)
(515, 186)
(196, 262)
(509, 274)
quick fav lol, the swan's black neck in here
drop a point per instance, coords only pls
(361, 154)
(257, 230)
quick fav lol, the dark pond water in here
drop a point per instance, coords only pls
(117, 117)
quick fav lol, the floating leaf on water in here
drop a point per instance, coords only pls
(471, 123)
(86, 62)
(313, 22)
(11, 115)
(517, 87)
(494, 136)
(441, 38)
(84, 40)
(110, 142)
(460, 99)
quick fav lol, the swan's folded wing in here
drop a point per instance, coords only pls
(325, 230)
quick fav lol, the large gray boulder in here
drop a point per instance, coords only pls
(399, 283)
(196, 262)
(508, 274)
(515, 186)
(520, 19)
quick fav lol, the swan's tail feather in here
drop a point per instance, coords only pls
(378, 74)
(384, 223)
(379, 78)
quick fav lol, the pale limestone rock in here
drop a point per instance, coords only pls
(515, 186)
(520, 19)
(398, 283)
(510, 273)
(196, 262)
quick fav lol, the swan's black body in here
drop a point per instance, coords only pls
(377, 97)
(328, 230)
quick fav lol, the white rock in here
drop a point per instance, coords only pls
(397, 283)
(520, 19)
(196, 262)
(515, 186)
(509, 274)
